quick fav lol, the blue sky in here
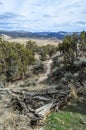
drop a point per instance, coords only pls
(43, 15)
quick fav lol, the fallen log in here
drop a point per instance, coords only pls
(38, 104)
(44, 92)
(44, 110)
(41, 98)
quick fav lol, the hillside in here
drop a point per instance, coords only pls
(37, 81)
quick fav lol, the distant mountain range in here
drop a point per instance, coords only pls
(46, 35)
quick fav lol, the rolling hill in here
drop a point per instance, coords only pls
(51, 35)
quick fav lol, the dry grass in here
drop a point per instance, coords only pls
(10, 120)
(39, 42)
(16, 122)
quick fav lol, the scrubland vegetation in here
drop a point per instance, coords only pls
(15, 59)
(65, 82)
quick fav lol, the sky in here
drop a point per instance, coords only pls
(43, 15)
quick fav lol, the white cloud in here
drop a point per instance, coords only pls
(45, 15)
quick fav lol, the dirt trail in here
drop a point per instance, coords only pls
(48, 70)
(48, 65)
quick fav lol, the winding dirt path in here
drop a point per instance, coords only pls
(48, 70)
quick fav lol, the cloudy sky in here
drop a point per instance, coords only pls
(43, 15)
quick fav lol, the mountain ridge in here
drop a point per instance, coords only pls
(22, 33)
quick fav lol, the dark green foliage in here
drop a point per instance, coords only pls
(32, 46)
(82, 38)
(51, 49)
(38, 68)
(14, 60)
(69, 59)
(69, 42)
(82, 41)
(42, 51)
(48, 50)
(71, 64)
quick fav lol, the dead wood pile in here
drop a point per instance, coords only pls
(38, 104)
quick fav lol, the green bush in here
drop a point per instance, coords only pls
(14, 60)
(38, 68)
